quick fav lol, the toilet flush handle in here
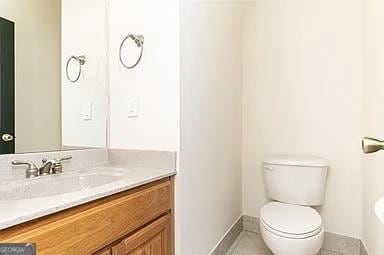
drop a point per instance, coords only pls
(269, 168)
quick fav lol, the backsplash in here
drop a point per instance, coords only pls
(144, 159)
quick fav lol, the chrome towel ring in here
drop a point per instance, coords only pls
(81, 60)
(139, 41)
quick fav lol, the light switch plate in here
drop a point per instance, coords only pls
(87, 111)
(133, 107)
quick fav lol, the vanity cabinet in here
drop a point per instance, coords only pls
(134, 222)
(151, 240)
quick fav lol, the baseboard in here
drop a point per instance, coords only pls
(251, 224)
(341, 244)
(229, 238)
(333, 243)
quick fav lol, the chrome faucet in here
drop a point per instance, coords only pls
(31, 171)
(52, 166)
(45, 169)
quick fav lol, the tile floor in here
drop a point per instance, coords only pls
(250, 243)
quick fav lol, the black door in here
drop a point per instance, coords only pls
(7, 86)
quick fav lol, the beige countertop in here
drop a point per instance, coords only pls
(47, 195)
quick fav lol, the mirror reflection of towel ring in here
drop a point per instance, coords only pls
(139, 41)
(81, 60)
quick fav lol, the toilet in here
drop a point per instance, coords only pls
(288, 224)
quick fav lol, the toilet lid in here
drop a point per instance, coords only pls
(291, 219)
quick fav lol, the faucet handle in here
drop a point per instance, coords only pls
(30, 164)
(56, 161)
(57, 167)
(31, 171)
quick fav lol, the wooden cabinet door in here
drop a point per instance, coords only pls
(106, 252)
(152, 247)
(151, 240)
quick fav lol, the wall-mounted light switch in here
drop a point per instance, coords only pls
(133, 107)
(87, 111)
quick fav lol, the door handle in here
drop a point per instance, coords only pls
(371, 145)
(7, 138)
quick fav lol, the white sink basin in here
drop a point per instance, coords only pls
(53, 185)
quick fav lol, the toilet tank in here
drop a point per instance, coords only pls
(296, 180)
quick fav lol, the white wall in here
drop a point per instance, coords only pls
(84, 32)
(302, 95)
(37, 44)
(155, 81)
(299, 64)
(373, 173)
(209, 178)
(209, 181)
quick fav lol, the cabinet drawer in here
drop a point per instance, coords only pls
(97, 225)
(152, 240)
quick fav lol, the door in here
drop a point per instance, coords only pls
(7, 86)
(151, 240)
(373, 126)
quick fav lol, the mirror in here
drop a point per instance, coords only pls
(53, 75)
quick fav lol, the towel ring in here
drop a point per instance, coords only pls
(81, 60)
(139, 41)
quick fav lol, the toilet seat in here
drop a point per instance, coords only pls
(288, 235)
(290, 221)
